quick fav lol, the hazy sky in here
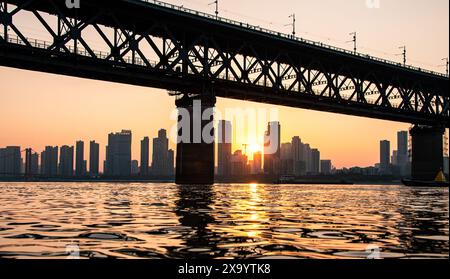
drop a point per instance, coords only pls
(39, 109)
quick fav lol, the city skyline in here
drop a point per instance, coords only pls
(87, 109)
(295, 157)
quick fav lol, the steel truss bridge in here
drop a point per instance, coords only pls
(154, 44)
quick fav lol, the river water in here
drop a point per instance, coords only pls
(248, 221)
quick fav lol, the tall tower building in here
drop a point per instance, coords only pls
(10, 160)
(402, 152)
(94, 158)
(224, 148)
(66, 161)
(160, 154)
(49, 161)
(171, 162)
(299, 167)
(315, 161)
(145, 156)
(385, 151)
(79, 158)
(272, 144)
(118, 154)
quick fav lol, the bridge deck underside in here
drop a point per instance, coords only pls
(133, 42)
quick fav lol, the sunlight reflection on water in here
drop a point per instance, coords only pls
(112, 220)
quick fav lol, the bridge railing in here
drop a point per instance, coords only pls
(289, 37)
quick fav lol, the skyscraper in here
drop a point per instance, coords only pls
(385, 151)
(66, 161)
(79, 158)
(10, 160)
(145, 156)
(94, 157)
(118, 154)
(160, 154)
(287, 159)
(307, 157)
(257, 162)
(272, 144)
(34, 163)
(299, 167)
(315, 161)
(224, 148)
(402, 152)
(171, 162)
(49, 161)
(239, 164)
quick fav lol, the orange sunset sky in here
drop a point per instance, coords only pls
(38, 109)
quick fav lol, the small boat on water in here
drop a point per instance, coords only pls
(440, 181)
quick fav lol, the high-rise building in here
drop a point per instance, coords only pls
(49, 161)
(118, 154)
(224, 148)
(239, 164)
(160, 154)
(286, 159)
(145, 156)
(94, 158)
(79, 158)
(315, 161)
(272, 146)
(308, 158)
(34, 168)
(66, 161)
(257, 162)
(171, 162)
(298, 153)
(385, 151)
(10, 160)
(402, 153)
(325, 167)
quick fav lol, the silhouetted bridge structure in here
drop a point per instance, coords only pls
(154, 44)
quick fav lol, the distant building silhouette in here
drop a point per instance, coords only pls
(118, 154)
(272, 140)
(307, 155)
(94, 158)
(287, 159)
(171, 162)
(66, 161)
(257, 162)
(224, 148)
(79, 158)
(325, 167)
(49, 161)
(160, 162)
(34, 168)
(298, 157)
(10, 160)
(402, 160)
(385, 151)
(239, 164)
(145, 156)
(315, 161)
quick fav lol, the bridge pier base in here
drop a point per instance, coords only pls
(427, 152)
(195, 163)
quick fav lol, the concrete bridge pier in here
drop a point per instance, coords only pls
(427, 152)
(195, 153)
